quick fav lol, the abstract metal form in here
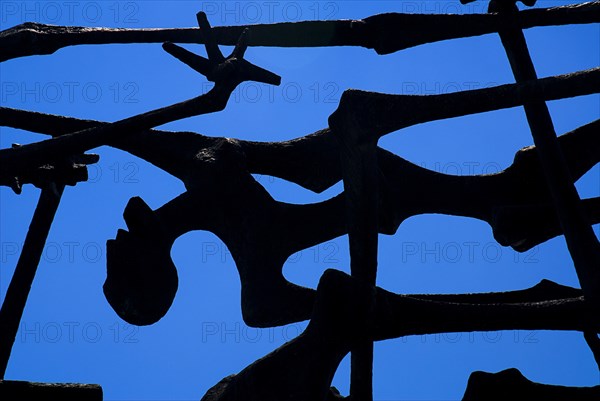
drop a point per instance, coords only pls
(528, 203)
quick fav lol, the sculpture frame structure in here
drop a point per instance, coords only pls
(531, 201)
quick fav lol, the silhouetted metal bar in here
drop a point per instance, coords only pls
(20, 284)
(360, 180)
(360, 175)
(31, 391)
(407, 30)
(592, 340)
(581, 240)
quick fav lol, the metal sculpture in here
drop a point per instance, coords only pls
(530, 202)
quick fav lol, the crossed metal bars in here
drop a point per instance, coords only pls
(358, 138)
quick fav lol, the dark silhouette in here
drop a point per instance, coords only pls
(530, 202)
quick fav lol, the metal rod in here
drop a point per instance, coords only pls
(20, 284)
(581, 240)
(372, 32)
(361, 206)
(360, 174)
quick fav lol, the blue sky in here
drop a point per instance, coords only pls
(69, 333)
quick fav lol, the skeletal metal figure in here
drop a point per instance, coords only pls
(262, 233)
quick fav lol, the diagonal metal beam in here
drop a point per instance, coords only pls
(581, 240)
(360, 173)
(20, 284)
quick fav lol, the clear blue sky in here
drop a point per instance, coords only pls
(69, 332)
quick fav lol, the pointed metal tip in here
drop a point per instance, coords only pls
(242, 44)
(202, 20)
(196, 62)
(172, 49)
(15, 185)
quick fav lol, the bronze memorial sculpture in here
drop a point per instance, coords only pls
(526, 204)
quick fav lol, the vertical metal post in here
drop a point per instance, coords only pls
(360, 174)
(581, 240)
(20, 284)
(363, 235)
